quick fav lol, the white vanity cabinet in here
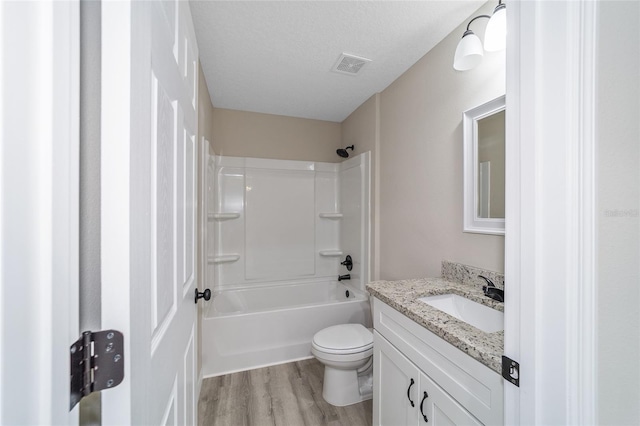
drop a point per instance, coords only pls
(404, 395)
(395, 389)
(410, 361)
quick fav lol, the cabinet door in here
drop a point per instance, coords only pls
(395, 387)
(439, 407)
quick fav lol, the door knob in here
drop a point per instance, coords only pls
(206, 295)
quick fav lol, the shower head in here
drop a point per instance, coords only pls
(343, 152)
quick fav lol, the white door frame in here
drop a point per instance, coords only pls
(39, 166)
(550, 245)
(115, 197)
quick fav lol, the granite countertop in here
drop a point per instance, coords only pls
(486, 348)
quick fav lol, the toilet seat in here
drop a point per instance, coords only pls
(343, 339)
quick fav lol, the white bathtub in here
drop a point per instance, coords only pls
(251, 328)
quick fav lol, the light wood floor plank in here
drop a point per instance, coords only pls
(282, 395)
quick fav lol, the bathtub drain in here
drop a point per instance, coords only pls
(346, 293)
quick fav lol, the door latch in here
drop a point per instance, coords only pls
(511, 370)
(97, 363)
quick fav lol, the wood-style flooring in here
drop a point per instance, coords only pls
(286, 394)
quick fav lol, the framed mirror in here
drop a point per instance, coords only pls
(484, 167)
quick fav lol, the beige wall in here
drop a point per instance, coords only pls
(362, 129)
(205, 109)
(618, 210)
(251, 134)
(420, 173)
(414, 132)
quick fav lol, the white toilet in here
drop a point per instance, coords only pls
(346, 351)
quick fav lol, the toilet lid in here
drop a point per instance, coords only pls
(344, 337)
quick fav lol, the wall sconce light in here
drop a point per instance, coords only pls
(469, 52)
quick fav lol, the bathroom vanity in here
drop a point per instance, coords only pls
(430, 367)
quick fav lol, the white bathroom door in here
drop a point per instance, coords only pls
(148, 175)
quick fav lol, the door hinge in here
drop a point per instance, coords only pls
(511, 370)
(97, 363)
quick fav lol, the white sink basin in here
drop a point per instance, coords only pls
(476, 314)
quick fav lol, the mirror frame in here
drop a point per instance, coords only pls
(473, 223)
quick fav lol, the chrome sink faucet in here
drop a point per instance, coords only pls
(490, 290)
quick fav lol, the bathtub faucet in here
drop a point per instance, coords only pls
(348, 263)
(344, 277)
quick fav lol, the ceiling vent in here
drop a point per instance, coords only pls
(349, 64)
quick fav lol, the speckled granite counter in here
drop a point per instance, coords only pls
(402, 296)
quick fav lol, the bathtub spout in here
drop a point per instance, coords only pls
(344, 277)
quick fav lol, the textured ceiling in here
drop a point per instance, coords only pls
(276, 57)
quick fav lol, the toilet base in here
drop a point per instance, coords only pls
(346, 387)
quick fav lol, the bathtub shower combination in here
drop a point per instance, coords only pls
(277, 234)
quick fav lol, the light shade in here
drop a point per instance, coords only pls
(495, 36)
(468, 53)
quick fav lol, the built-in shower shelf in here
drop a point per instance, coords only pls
(223, 216)
(330, 253)
(331, 215)
(227, 258)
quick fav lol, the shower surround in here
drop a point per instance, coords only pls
(278, 231)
